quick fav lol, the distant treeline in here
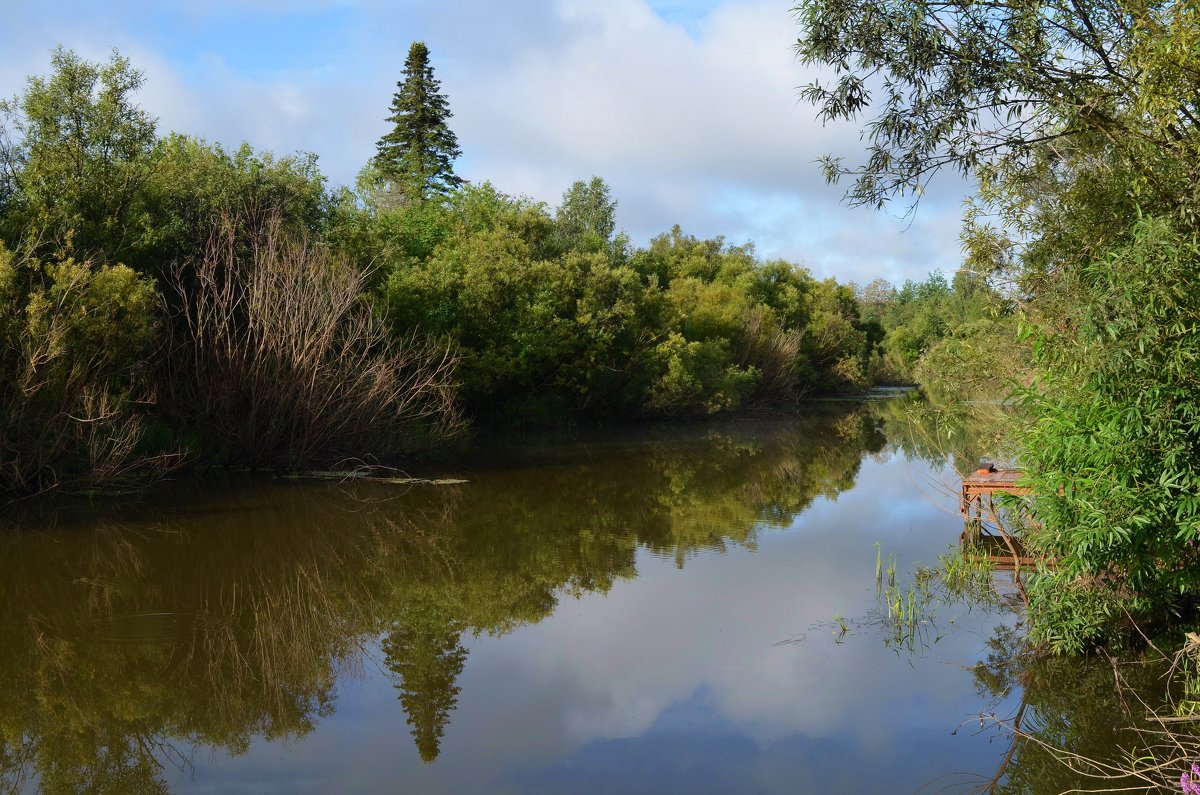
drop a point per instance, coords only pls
(165, 300)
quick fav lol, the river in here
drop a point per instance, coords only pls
(685, 608)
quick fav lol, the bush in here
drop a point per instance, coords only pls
(696, 377)
(1114, 439)
(75, 340)
(981, 358)
(280, 363)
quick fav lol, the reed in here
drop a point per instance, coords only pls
(908, 610)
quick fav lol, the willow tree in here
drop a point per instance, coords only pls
(1080, 122)
(415, 159)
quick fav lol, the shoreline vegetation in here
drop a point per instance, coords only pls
(165, 303)
(1078, 126)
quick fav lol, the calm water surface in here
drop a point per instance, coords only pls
(644, 611)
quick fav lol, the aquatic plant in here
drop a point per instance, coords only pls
(843, 628)
(968, 573)
(908, 611)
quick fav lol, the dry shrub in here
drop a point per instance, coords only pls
(774, 352)
(280, 361)
(74, 342)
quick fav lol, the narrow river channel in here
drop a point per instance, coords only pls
(655, 610)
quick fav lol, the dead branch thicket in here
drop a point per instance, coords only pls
(775, 352)
(279, 361)
(73, 391)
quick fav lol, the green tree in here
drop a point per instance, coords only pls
(1114, 451)
(416, 158)
(75, 152)
(195, 184)
(586, 218)
(74, 341)
(974, 86)
(1081, 125)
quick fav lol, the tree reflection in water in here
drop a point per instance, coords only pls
(425, 654)
(219, 613)
(1077, 723)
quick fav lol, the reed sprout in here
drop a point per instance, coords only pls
(909, 610)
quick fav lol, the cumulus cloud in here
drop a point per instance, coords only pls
(688, 110)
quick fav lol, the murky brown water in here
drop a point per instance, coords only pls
(637, 611)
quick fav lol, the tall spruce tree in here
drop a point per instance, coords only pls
(416, 156)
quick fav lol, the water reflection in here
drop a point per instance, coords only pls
(231, 617)
(1080, 722)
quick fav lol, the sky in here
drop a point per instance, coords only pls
(688, 109)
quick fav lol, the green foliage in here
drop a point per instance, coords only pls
(87, 314)
(1114, 447)
(1081, 126)
(88, 175)
(379, 233)
(552, 316)
(683, 327)
(483, 287)
(966, 573)
(195, 184)
(74, 343)
(415, 159)
(836, 343)
(586, 218)
(76, 153)
(983, 358)
(692, 376)
(954, 338)
(987, 87)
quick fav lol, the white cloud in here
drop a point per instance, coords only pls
(696, 123)
(702, 130)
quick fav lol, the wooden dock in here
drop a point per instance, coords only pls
(996, 549)
(982, 530)
(986, 482)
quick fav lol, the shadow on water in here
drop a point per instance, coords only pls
(1070, 724)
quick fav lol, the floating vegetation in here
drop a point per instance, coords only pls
(908, 611)
(842, 628)
(968, 573)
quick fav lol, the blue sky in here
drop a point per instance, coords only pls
(686, 107)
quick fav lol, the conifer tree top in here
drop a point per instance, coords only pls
(417, 155)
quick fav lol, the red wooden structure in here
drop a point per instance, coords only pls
(982, 531)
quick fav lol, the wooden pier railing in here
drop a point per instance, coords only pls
(981, 528)
(984, 483)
